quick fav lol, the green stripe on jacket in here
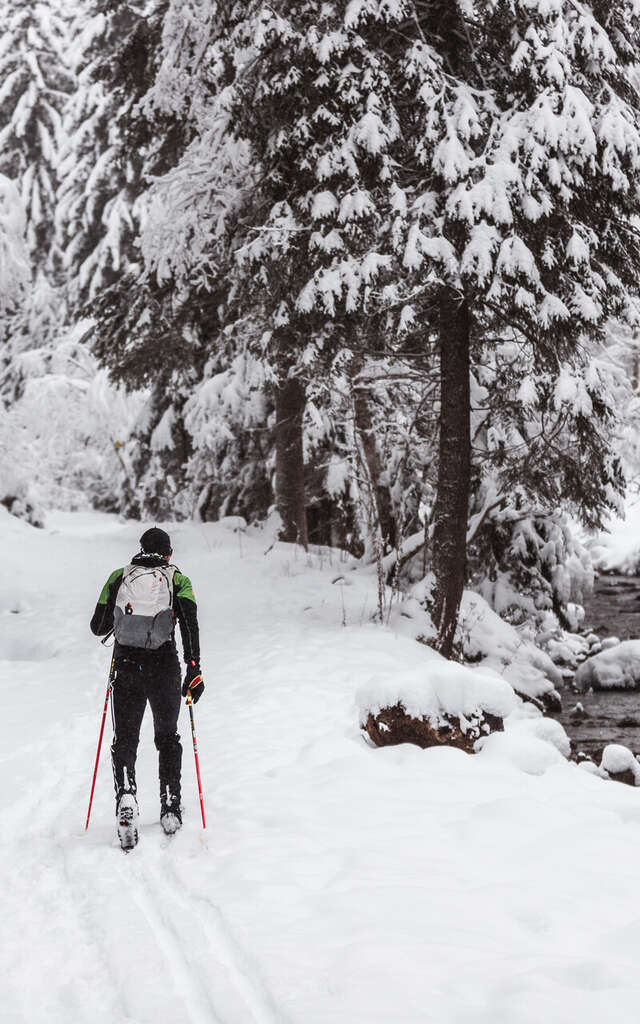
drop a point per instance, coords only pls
(182, 587)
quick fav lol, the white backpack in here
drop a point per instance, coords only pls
(143, 614)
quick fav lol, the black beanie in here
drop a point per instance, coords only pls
(156, 542)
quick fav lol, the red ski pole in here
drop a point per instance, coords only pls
(104, 715)
(195, 751)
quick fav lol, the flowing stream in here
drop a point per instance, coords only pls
(610, 717)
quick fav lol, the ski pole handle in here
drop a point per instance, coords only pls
(195, 754)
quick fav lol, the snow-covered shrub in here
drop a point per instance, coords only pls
(63, 435)
(16, 490)
(526, 563)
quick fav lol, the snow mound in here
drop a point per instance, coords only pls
(440, 690)
(546, 729)
(528, 753)
(531, 742)
(616, 668)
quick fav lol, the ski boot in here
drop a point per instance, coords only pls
(127, 818)
(170, 814)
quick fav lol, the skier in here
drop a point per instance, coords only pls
(140, 603)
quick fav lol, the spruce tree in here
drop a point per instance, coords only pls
(115, 147)
(522, 156)
(110, 146)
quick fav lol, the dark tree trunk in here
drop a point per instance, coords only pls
(290, 498)
(454, 468)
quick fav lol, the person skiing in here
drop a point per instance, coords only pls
(141, 603)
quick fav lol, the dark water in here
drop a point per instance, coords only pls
(614, 607)
(613, 610)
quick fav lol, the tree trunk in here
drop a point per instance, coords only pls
(454, 467)
(290, 498)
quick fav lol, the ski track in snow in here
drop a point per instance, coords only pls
(334, 883)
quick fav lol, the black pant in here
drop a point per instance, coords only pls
(154, 677)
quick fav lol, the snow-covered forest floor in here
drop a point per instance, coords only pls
(335, 882)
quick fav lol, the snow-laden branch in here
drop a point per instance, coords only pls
(15, 270)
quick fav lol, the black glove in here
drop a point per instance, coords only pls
(193, 682)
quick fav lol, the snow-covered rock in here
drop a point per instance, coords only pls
(442, 703)
(392, 725)
(620, 764)
(587, 765)
(441, 687)
(616, 668)
(609, 641)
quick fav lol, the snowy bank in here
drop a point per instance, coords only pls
(487, 639)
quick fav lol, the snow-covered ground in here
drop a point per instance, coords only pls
(335, 882)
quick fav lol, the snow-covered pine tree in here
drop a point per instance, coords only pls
(116, 145)
(151, 342)
(541, 447)
(521, 157)
(302, 100)
(358, 132)
(35, 86)
(111, 146)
